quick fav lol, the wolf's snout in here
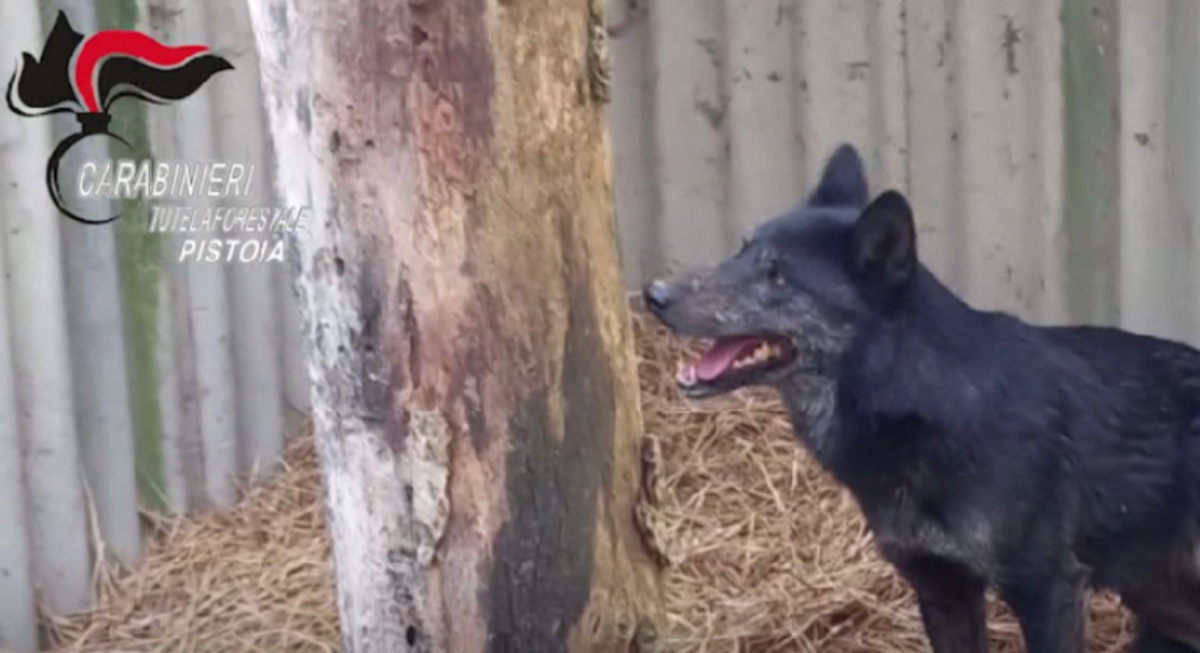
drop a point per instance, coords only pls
(657, 295)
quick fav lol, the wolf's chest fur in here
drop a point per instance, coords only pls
(911, 500)
(903, 483)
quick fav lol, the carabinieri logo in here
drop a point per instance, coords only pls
(86, 75)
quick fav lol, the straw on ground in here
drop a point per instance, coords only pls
(768, 555)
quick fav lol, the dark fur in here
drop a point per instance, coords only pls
(983, 451)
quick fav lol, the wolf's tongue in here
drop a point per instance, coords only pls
(717, 360)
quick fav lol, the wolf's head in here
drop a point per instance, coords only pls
(791, 301)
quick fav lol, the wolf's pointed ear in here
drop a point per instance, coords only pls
(885, 241)
(843, 182)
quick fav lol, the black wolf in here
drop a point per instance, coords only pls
(983, 451)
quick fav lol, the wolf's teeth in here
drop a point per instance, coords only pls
(686, 374)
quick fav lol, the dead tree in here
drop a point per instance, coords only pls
(474, 396)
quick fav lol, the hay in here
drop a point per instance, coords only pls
(769, 556)
(253, 578)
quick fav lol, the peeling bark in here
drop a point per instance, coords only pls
(474, 395)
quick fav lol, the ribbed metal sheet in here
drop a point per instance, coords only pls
(1049, 148)
(119, 366)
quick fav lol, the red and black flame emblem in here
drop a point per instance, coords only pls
(86, 75)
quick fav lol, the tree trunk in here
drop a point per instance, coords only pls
(474, 392)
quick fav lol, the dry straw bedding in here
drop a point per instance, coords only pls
(768, 555)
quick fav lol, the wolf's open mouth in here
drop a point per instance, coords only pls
(733, 362)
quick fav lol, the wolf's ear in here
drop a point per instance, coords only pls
(885, 241)
(843, 182)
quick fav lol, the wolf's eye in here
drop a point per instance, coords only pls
(775, 273)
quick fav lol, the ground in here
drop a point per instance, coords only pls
(765, 554)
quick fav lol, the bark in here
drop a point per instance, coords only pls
(474, 392)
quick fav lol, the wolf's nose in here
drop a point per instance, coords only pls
(657, 295)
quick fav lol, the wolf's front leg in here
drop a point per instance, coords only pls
(952, 606)
(1050, 611)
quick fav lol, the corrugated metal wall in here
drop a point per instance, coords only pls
(127, 379)
(1050, 148)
